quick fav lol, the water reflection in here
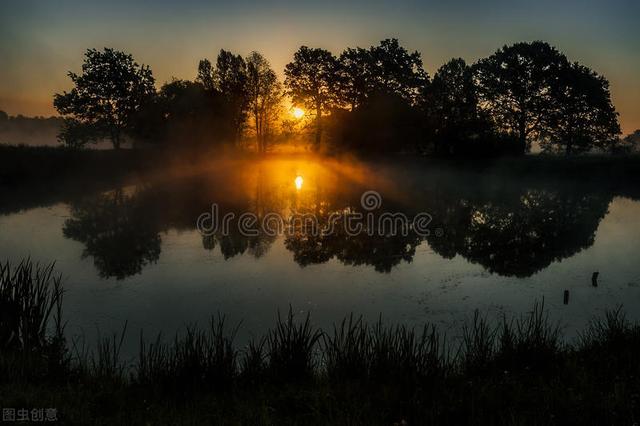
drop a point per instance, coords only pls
(521, 234)
(511, 228)
(119, 232)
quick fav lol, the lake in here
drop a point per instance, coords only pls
(133, 252)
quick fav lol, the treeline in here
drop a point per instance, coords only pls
(28, 130)
(375, 100)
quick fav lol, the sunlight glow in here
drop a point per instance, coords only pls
(298, 181)
(297, 112)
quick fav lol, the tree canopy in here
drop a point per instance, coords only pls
(370, 100)
(311, 80)
(264, 93)
(583, 116)
(452, 105)
(110, 91)
(514, 85)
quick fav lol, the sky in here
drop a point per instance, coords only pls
(40, 41)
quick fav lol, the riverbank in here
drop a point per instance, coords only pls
(26, 164)
(513, 371)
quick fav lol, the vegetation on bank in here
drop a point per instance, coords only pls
(42, 165)
(39, 164)
(518, 371)
(366, 100)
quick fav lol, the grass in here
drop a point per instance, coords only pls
(512, 371)
(31, 328)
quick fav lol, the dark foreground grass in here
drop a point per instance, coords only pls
(515, 371)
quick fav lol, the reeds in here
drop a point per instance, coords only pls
(29, 294)
(31, 329)
(197, 359)
(293, 351)
(530, 341)
(504, 364)
(358, 351)
(291, 348)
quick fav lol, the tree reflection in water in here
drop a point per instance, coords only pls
(118, 232)
(515, 230)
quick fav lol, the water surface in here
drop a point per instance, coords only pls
(132, 252)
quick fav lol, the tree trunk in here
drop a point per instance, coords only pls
(115, 139)
(318, 126)
(522, 133)
(569, 148)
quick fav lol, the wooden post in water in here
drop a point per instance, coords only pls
(566, 297)
(594, 279)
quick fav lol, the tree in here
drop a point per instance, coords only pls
(183, 107)
(354, 81)
(630, 144)
(76, 134)
(230, 78)
(514, 86)
(517, 232)
(451, 104)
(584, 116)
(310, 80)
(107, 95)
(264, 94)
(382, 86)
(4, 117)
(387, 69)
(396, 71)
(205, 74)
(117, 230)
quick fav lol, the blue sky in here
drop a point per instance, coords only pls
(41, 40)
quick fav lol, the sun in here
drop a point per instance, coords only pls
(298, 181)
(297, 112)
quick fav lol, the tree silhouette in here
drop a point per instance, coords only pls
(451, 104)
(117, 232)
(583, 115)
(383, 86)
(107, 95)
(354, 77)
(383, 252)
(630, 144)
(202, 114)
(521, 233)
(385, 69)
(230, 78)
(397, 71)
(311, 80)
(76, 134)
(205, 74)
(514, 84)
(264, 94)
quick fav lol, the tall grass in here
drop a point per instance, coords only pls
(197, 359)
(358, 351)
(347, 352)
(478, 345)
(291, 348)
(501, 369)
(31, 328)
(530, 341)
